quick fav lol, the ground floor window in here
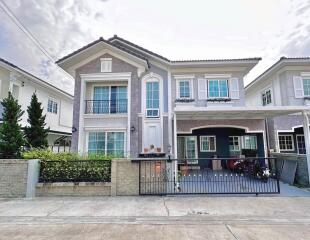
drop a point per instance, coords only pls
(207, 144)
(286, 143)
(234, 143)
(250, 142)
(301, 147)
(108, 143)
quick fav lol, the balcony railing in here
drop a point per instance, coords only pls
(106, 106)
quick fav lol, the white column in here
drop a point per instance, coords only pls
(307, 139)
(128, 117)
(175, 143)
(175, 147)
(81, 120)
(169, 110)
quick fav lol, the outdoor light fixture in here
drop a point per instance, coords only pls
(132, 129)
(73, 129)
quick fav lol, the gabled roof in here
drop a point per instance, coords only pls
(96, 42)
(115, 37)
(34, 77)
(143, 53)
(277, 65)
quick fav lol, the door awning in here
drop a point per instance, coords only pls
(191, 112)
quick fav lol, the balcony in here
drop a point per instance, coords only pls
(118, 106)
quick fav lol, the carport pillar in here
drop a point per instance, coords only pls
(307, 140)
(175, 148)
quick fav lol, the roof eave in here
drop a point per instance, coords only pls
(282, 62)
(64, 62)
(39, 81)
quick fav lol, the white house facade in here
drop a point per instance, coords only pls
(57, 104)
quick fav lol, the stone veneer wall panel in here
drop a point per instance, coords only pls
(13, 177)
(118, 66)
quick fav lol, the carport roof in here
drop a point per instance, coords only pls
(199, 113)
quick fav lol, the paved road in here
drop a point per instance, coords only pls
(182, 217)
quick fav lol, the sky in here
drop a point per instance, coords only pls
(176, 29)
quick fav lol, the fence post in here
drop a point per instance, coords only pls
(32, 177)
(113, 177)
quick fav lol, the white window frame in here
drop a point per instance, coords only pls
(53, 101)
(106, 65)
(208, 137)
(106, 139)
(292, 139)
(18, 88)
(217, 79)
(196, 150)
(303, 88)
(239, 145)
(110, 86)
(243, 142)
(299, 135)
(264, 92)
(159, 104)
(183, 78)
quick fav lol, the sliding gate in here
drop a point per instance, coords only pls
(211, 176)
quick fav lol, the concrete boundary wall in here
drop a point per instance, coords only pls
(301, 176)
(13, 177)
(124, 182)
(68, 189)
(19, 178)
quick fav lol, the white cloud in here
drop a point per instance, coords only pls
(177, 29)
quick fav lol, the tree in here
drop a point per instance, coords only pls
(36, 133)
(11, 135)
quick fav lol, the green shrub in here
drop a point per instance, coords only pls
(71, 167)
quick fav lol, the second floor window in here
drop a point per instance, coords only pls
(184, 88)
(266, 97)
(152, 99)
(306, 86)
(109, 99)
(52, 106)
(218, 88)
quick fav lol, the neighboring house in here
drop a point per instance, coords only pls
(57, 104)
(285, 83)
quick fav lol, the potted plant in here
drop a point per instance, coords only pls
(152, 148)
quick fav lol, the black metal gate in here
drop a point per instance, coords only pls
(210, 176)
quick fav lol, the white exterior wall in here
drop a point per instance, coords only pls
(62, 121)
(281, 83)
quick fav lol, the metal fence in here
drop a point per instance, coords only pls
(106, 106)
(75, 171)
(208, 176)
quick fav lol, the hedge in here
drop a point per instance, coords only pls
(71, 167)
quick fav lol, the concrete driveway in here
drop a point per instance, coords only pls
(180, 217)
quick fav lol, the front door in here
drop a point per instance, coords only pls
(187, 148)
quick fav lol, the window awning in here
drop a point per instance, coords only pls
(191, 112)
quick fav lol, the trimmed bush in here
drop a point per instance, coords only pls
(71, 167)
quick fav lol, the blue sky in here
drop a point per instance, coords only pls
(176, 29)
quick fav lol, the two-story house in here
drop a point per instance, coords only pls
(57, 104)
(130, 101)
(285, 83)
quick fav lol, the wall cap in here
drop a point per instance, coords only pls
(73, 184)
